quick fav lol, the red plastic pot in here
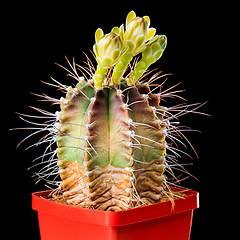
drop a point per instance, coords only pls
(153, 222)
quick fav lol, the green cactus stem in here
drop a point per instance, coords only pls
(102, 150)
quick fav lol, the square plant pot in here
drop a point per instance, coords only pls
(153, 222)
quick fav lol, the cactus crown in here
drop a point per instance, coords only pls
(116, 50)
(112, 133)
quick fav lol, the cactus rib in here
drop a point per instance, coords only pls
(109, 137)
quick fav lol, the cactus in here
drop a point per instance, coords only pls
(103, 141)
(111, 131)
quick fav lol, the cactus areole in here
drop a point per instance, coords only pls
(116, 143)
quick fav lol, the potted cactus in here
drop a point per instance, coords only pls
(116, 146)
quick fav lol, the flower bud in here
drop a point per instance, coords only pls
(150, 55)
(108, 48)
(137, 33)
(154, 50)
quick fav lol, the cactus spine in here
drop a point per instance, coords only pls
(111, 129)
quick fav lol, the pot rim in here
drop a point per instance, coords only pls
(42, 204)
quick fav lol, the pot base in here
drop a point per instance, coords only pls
(156, 221)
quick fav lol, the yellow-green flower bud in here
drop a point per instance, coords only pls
(150, 55)
(137, 33)
(108, 49)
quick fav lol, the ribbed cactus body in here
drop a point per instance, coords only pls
(111, 147)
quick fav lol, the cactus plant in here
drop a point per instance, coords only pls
(111, 131)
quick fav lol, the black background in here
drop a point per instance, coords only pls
(39, 35)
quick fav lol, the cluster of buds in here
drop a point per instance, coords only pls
(119, 47)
